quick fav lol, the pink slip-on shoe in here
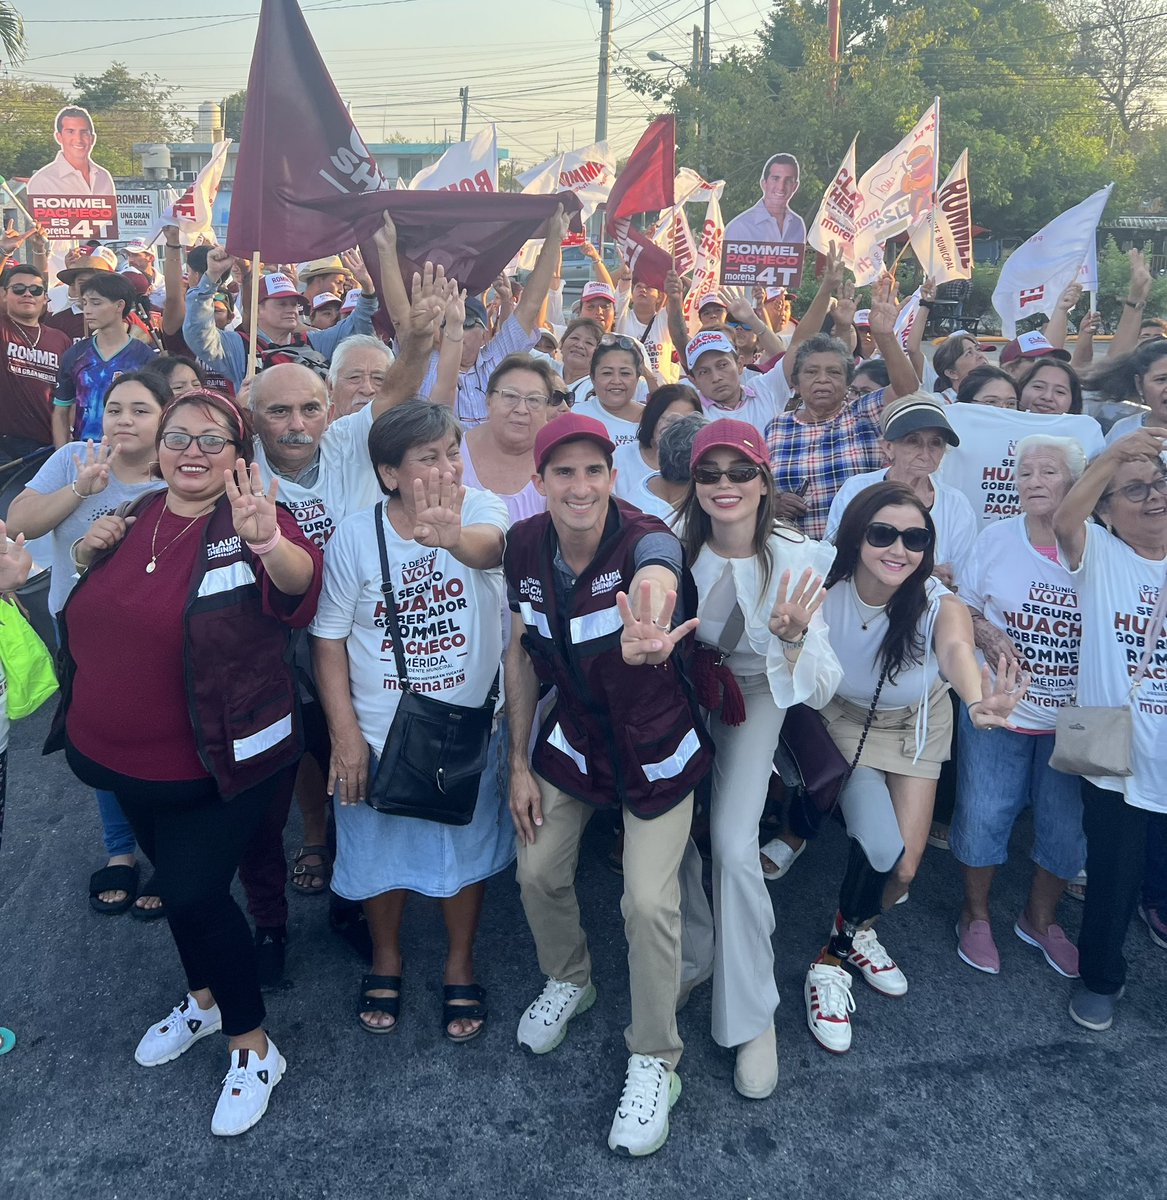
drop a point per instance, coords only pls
(975, 946)
(1059, 951)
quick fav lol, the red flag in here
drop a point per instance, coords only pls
(645, 185)
(307, 186)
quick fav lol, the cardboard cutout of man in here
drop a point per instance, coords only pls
(72, 172)
(771, 219)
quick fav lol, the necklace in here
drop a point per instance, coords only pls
(861, 606)
(155, 553)
(21, 329)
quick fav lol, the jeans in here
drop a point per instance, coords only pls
(115, 829)
(1000, 774)
(1155, 875)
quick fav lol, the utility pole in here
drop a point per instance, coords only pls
(605, 7)
(705, 44)
(464, 96)
(695, 69)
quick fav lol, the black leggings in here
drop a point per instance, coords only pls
(195, 841)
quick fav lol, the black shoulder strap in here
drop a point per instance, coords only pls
(387, 592)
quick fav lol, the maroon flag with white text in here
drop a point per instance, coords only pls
(645, 185)
(306, 184)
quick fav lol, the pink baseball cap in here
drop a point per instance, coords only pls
(571, 427)
(726, 434)
(597, 290)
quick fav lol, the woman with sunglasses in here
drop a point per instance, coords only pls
(1112, 534)
(620, 377)
(76, 485)
(499, 455)
(636, 461)
(197, 730)
(761, 647)
(903, 639)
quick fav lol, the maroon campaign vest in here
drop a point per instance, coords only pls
(616, 734)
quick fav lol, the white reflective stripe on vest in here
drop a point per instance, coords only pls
(671, 767)
(256, 743)
(218, 580)
(592, 626)
(557, 739)
(532, 616)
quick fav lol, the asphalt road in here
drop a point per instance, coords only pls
(969, 1086)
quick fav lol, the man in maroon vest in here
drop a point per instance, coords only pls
(622, 729)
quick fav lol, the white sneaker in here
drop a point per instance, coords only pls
(544, 1025)
(782, 856)
(876, 965)
(641, 1123)
(247, 1088)
(176, 1033)
(828, 1002)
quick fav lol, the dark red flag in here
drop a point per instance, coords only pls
(645, 185)
(307, 186)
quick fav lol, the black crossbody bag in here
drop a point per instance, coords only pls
(435, 753)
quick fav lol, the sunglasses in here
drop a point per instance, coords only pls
(1138, 491)
(624, 343)
(558, 398)
(30, 289)
(709, 475)
(880, 535)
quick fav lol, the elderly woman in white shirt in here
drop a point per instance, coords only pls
(761, 648)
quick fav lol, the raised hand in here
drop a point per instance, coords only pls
(1089, 325)
(1069, 297)
(833, 269)
(846, 306)
(928, 289)
(739, 307)
(430, 295)
(15, 561)
(557, 225)
(884, 309)
(93, 469)
(385, 239)
(1140, 284)
(998, 697)
(219, 263)
(437, 510)
(253, 511)
(791, 616)
(647, 639)
(355, 265)
(502, 290)
(673, 288)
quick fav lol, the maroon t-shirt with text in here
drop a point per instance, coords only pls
(30, 357)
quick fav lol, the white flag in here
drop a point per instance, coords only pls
(707, 268)
(1038, 271)
(894, 193)
(589, 173)
(192, 211)
(942, 240)
(674, 236)
(909, 311)
(835, 219)
(470, 166)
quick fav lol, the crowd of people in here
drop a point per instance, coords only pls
(624, 550)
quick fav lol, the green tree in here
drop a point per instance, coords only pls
(26, 125)
(233, 106)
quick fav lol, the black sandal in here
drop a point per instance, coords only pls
(463, 1012)
(389, 1005)
(149, 888)
(303, 873)
(113, 879)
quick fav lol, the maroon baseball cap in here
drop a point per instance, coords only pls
(730, 435)
(571, 427)
(1033, 344)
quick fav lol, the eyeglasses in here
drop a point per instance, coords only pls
(209, 443)
(31, 289)
(1138, 491)
(857, 393)
(618, 340)
(558, 398)
(709, 475)
(881, 535)
(512, 399)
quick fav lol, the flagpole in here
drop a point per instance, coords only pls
(253, 318)
(16, 201)
(935, 190)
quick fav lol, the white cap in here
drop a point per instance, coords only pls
(325, 298)
(707, 339)
(351, 297)
(597, 290)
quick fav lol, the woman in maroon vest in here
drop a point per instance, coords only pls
(177, 697)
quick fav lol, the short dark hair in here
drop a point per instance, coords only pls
(947, 353)
(784, 160)
(72, 110)
(655, 405)
(238, 419)
(1071, 375)
(397, 431)
(582, 323)
(874, 368)
(154, 383)
(166, 364)
(606, 348)
(21, 269)
(196, 258)
(524, 362)
(113, 287)
(976, 379)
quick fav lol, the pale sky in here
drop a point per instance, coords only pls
(531, 65)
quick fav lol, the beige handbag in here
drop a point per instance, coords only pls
(1097, 741)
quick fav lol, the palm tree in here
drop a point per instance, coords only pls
(12, 45)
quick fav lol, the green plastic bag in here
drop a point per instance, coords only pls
(28, 666)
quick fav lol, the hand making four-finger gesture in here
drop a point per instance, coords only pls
(999, 697)
(791, 616)
(437, 510)
(252, 510)
(15, 561)
(647, 639)
(355, 265)
(93, 468)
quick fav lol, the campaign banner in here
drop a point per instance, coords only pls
(470, 166)
(138, 214)
(589, 173)
(707, 270)
(766, 244)
(835, 219)
(75, 218)
(942, 239)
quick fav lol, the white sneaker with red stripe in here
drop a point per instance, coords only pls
(875, 964)
(828, 1005)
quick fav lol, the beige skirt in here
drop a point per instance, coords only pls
(891, 740)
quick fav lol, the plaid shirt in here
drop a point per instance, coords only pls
(825, 452)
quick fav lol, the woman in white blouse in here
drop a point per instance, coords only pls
(761, 648)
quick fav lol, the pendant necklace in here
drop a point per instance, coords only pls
(861, 606)
(154, 552)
